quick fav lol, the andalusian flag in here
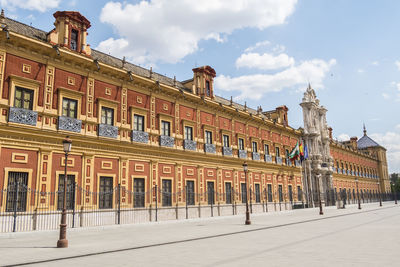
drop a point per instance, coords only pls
(295, 151)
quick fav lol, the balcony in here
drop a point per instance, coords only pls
(190, 144)
(209, 148)
(288, 162)
(297, 163)
(167, 141)
(255, 155)
(242, 154)
(227, 151)
(267, 158)
(140, 137)
(23, 116)
(69, 124)
(106, 130)
(278, 160)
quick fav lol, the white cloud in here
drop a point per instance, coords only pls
(257, 45)
(254, 86)
(360, 71)
(397, 63)
(386, 96)
(375, 63)
(391, 141)
(343, 137)
(265, 61)
(38, 5)
(167, 31)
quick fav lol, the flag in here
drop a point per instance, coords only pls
(305, 152)
(295, 151)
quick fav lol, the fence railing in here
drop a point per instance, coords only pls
(24, 209)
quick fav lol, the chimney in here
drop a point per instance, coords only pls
(353, 142)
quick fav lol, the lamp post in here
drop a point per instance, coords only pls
(394, 192)
(246, 169)
(380, 194)
(358, 195)
(63, 242)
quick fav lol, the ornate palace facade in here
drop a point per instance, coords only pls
(140, 130)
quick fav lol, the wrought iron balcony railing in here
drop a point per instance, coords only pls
(140, 137)
(23, 116)
(69, 124)
(167, 141)
(106, 130)
(209, 148)
(227, 151)
(190, 144)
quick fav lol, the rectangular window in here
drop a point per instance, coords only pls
(269, 192)
(107, 116)
(228, 193)
(17, 191)
(166, 193)
(69, 107)
(287, 153)
(138, 192)
(138, 123)
(277, 153)
(299, 193)
(106, 193)
(23, 98)
(208, 137)
(165, 128)
(208, 88)
(241, 144)
(190, 192)
(74, 40)
(257, 192)
(188, 133)
(290, 193)
(70, 192)
(226, 140)
(254, 147)
(266, 149)
(244, 192)
(210, 193)
(280, 193)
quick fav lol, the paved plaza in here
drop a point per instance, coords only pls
(344, 237)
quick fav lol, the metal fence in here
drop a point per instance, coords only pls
(24, 209)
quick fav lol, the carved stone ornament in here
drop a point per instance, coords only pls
(167, 141)
(227, 151)
(69, 124)
(24, 116)
(108, 130)
(190, 144)
(140, 136)
(209, 148)
(242, 154)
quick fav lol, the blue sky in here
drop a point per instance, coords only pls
(264, 52)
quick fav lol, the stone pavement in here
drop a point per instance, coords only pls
(345, 237)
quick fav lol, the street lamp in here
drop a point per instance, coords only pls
(380, 194)
(358, 195)
(246, 169)
(63, 242)
(395, 193)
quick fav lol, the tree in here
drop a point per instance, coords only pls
(395, 179)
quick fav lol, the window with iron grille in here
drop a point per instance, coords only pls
(254, 147)
(188, 133)
(165, 128)
(228, 193)
(17, 191)
(210, 193)
(69, 107)
(107, 116)
(299, 193)
(23, 98)
(74, 40)
(138, 123)
(208, 135)
(208, 88)
(241, 143)
(269, 186)
(138, 192)
(70, 192)
(106, 193)
(190, 192)
(166, 193)
(280, 193)
(244, 192)
(257, 192)
(226, 140)
(290, 190)
(277, 153)
(266, 149)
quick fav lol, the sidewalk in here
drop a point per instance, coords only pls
(122, 241)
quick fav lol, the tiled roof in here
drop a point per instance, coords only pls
(365, 142)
